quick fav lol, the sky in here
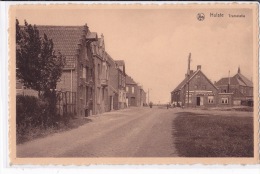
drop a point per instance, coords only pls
(155, 43)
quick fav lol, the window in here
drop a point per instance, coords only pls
(186, 99)
(87, 73)
(224, 100)
(86, 55)
(133, 89)
(103, 93)
(204, 87)
(99, 71)
(91, 74)
(211, 99)
(90, 96)
(196, 87)
(107, 73)
(98, 95)
(84, 73)
(127, 89)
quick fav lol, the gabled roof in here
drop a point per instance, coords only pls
(129, 80)
(110, 60)
(65, 40)
(179, 87)
(192, 75)
(237, 79)
(242, 78)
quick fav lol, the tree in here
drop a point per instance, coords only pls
(38, 66)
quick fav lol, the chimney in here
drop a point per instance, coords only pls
(191, 72)
(238, 71)
(198, 67)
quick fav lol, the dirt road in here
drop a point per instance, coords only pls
(133, 132)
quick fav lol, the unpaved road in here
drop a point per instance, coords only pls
(132, 132)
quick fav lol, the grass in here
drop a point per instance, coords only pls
(198, 135)
(34, 133)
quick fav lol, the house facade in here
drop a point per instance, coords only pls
(196, 90)
(121, 75)
(77, 77)
(101, 76)
(113, 84)
(240, 86)
(135, 95)
(143, 101)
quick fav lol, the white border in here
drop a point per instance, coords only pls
(162, 169)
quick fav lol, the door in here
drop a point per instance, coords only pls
(111, 103)
(198, 101)
(132, 102)
(201, 101)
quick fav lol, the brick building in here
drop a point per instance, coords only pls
(101, 76)
(117, 94)
(240, 86)
(74, 43)
(121, 75)
(143, 101)
(195, 90)
(135, 95)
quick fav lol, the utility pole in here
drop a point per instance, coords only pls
(228, 81)
(188, 75)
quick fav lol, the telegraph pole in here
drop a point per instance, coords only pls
(228, 81)
(188, 75)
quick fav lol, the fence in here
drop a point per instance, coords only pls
(66, 103)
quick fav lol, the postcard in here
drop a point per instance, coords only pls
(133, 84)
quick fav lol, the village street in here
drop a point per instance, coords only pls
(132, 132)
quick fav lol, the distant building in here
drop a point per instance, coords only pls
(117, 84)
(135, 95)
(142, 97)
(195, 90)
(120, 64)
(240, 86)
(131, 91)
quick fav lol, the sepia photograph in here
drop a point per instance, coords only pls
(134, 84)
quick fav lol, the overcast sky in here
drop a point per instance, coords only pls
(155, 43)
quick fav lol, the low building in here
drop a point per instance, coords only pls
(142, 97)
(135, 95)
(195, 90)
(240, 86)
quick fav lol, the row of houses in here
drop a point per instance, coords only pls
(196, 90)
(99, 83)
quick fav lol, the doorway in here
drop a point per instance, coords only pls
(198, 101)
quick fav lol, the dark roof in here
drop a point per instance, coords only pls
(92, 36)
(186, 80)
(110, 60)
(237, 79)
(242, 78)
(120, 62)
(129, 80)
(65, 40)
